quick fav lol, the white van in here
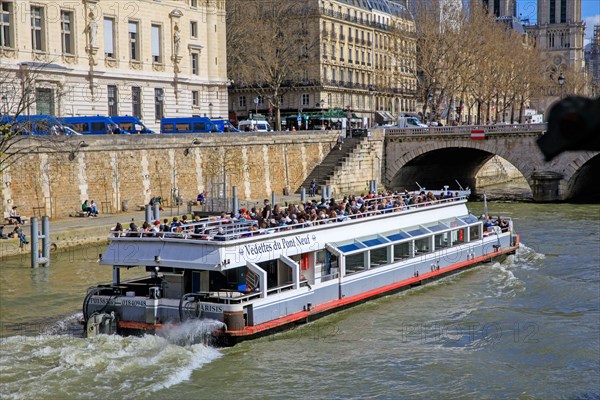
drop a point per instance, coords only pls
(254, 126)
(410, 122)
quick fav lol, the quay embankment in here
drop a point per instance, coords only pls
(123, 171)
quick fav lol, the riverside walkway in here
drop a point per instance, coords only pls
(67, 233)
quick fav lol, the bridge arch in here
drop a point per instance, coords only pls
(433, 165)
(436, 159)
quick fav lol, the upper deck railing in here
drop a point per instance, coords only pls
(465, 129)
(221, 230)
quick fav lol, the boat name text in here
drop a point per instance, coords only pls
(278, 244)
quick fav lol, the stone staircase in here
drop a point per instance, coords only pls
(333, 161)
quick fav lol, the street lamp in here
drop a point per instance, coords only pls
(372, 93)
(561, 82)
(322, 103)
(210, 107)
(73, 153)
(196, 142)
(255, 106)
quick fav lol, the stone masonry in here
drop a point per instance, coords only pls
(113, 169)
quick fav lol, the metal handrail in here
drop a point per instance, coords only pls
(232, 232)
(464, 129)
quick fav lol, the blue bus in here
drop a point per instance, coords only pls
(37, 125)
(187, 125)
(131, 124)
(223, 125)
(93, 125)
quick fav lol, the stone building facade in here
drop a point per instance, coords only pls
(365, 62)
(559, 33)
(145, 58)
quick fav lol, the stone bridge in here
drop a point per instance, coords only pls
(435, 157)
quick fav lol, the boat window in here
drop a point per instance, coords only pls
(168, 127)
(469, 219)
(475, 232)
(355, 245)
(436, 227)
(442, 240)
(418, 232)
(402, 251)
(379, 257)
(423, 245)
(199, 126)
(329, 269)
(458, 236)
(355, 263)
(397, 236)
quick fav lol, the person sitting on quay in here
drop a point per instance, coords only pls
(2, 234)
(85, 207)
(93, 209)
(201, 199)
(14, 216)
(19, 232)
(155, 200)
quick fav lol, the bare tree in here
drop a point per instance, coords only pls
(269, 46)
(18, 94)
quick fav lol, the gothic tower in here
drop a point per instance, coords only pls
(501, 8)
(559, 33)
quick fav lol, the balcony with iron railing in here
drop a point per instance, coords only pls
(355, 20)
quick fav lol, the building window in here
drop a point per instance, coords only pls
(44, 101)
(563, 11)
(134, 49)
(159, 104)
(37, 29)
(66, 20)
(6, 25)
(305, 99)
(194, 3)
(261, 100)
(136, 101)
(112, 100)
(195, 66)
(242, 101)
(195, 98)
(552, 12)
(194, 29)
(109, 37)
(156, 44)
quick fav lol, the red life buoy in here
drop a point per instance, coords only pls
(461, 235)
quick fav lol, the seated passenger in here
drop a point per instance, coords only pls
(14, 216)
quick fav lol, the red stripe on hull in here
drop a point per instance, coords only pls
(288, 319)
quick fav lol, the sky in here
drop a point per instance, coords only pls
(590, 13)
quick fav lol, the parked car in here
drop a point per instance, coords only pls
(131, 124)
(187, 125)
(93, 125)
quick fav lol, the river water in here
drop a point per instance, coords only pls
(525, 328)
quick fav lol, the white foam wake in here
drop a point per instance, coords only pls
(61, 366)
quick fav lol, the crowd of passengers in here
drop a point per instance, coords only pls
(263, 219)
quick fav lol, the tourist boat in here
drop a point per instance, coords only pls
(256, 282)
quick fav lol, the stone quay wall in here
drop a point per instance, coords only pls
(113, 169)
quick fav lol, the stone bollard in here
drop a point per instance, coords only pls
(303, 195)
(148, 216)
